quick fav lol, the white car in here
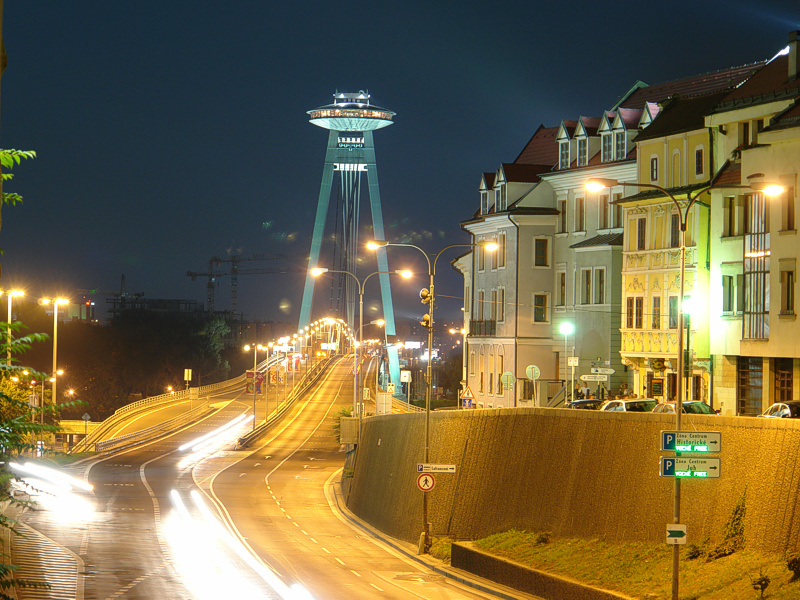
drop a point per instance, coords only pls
(633, 405)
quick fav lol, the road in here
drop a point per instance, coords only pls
(148, 538)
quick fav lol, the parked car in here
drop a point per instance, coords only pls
(693, 407)
(634, 405)
(591, 404)
(783, 410)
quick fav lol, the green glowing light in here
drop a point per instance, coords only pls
(683, 447)
(683, 473)
(701, 448)
(701, 474)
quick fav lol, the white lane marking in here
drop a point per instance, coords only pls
(339, 560)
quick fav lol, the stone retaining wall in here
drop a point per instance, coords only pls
(574, 473)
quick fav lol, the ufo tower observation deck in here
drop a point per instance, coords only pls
(350, 120)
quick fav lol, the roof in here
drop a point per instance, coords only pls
(516, 173)
(541, 149)
(605, 239)
(769, 83)
(680, 115)
(729, 174)
(696, 85)
(786, 119)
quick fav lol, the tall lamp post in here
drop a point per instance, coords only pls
(566, 329)
(255, 348)
(768, 189)
(357, 354)
(9, 295)
(55, 302)
(428, 297)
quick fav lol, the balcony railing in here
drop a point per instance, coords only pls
(484, 328)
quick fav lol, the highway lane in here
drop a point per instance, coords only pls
(275, 500)
(137, 545)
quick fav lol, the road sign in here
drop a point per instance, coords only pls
(365, 394)
(684, 467)
(390, 388)
(532, 372)
(594, 377)
(433, 468)
(691, 441)
(603, 371)
(572, 361)
(426, 482)
(507, 379)
(467, 394)
(676, 534)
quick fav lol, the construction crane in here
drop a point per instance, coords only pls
(235, 271)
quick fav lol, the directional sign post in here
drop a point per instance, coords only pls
(603, 371)
(691, 441)
(676, 534)
(690, 467)
(433, 468)
(594, 377)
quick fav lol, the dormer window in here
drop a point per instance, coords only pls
(619, 142)
(563, 155)
(608, 149)
(500, 199)
(583, 152)
(484, 202)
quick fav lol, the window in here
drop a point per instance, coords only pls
(502, 199)
(540, 308)
(616, 211)
(495, 256)
(641, 230)
(493, 306)
(656, 316)
(699, 163)
(654, 169)
(484, 202)
(787, 292)
(562, 216)
(481, 256)
(745, 134)
(675, 231)
(728, 293)
(580, 215)
(733, 216)
(467, 300)
(501, 304)
(480, 372)
(583, 152)
(541, 256)
(602, 210)
(783, 379)
(787, 210)
(750, 380)
(501, 250)
(563, 155)
(472, 362)
(599, 286)
(639, 318)
(561, 283)
(629, 313)
(480, 305)
(608, 149)
(619, 142)
(673, 312)
(586, 286)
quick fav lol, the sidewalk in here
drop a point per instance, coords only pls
(336, 501)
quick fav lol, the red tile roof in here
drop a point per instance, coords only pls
(541, 149)
(729, 174)
(691, 86)
(519, 173)
(770, 82)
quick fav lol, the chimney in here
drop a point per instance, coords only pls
(794, 66)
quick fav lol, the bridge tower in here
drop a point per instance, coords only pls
(350, 120)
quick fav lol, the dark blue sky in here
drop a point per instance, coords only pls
(170, 132)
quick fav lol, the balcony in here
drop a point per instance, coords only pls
(487, 328)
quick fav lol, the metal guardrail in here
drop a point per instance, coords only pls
(126, 411)
(150, 433)
(301, 388)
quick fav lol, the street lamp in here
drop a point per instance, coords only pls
(255, 348)
(405, 274)
(768, 189)
(9, 295)
(566, 329)
(55, 302)
(428, 297)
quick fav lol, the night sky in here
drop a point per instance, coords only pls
(170, 132)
